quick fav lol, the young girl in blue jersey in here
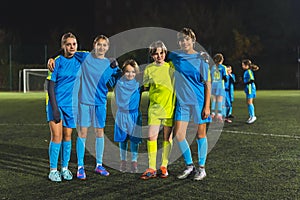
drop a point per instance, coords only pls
(158, 80)
(218, 75)
(61, 110)
(249, 88)
(98, 72)
(128, 122)
(229, 91)
(193, 88)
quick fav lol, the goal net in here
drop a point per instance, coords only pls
(33, 79)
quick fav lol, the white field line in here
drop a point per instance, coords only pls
(226, 131)
(263, 134)
(20, 124)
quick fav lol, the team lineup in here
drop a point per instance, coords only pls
(183, 86)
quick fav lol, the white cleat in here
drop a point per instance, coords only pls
(251, 120)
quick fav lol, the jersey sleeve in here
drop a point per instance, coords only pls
(248, 76)
(52, 76)
(116, 75)
(204, 71)
(81, 55)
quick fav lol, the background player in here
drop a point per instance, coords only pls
(218, 76)
(249, 88)
(229, 91)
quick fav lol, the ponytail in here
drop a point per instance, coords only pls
(254, 67)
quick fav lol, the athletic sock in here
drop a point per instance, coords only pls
(66, 153)
(167, 147)
(123, 150)
(186, 151)
(134, 148)
(213, 106)
(80, 150)
(54, 149)
(99, 149)
(152, 151)
(251, 110)
(230, 111)
(202, 151)
(220, 108)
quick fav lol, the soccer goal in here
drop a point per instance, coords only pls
(33, 79)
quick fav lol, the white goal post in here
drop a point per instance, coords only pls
(26, 77)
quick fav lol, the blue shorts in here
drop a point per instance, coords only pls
(92, 115)
(128, 125)
(68, 115)
(217, 90)
(190, 112)
(250, 96)
(250, 91)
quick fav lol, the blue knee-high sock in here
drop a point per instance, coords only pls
(99, 150)
(54, 150)
(134, 147)
(213, 106)
(66, 153)
(123, 150)
(220, 108)
(202, 151)
(186, 152)
(230, 111)
(227, 111)
(224, 106)
(251, 110)
(80, 149)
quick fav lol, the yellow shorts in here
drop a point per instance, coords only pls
(156, 117)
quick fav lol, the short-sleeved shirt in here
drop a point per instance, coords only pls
(159, 80)
(218, 74)
(191, 73)
(65, 74)
(127, 94)
(96, 76)
(128, 118)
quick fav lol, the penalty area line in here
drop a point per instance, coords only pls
(263, 134)
(20, 124)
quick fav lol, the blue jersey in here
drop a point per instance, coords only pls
(191, 73)
(128, 118)
(250, 88)
(81, 55)
(96, 76)
(127, 94)
(218, 74)
(65, 74)
(229, 86)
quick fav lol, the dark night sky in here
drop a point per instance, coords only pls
(33, 19)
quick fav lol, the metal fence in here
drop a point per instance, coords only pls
(14, 58)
